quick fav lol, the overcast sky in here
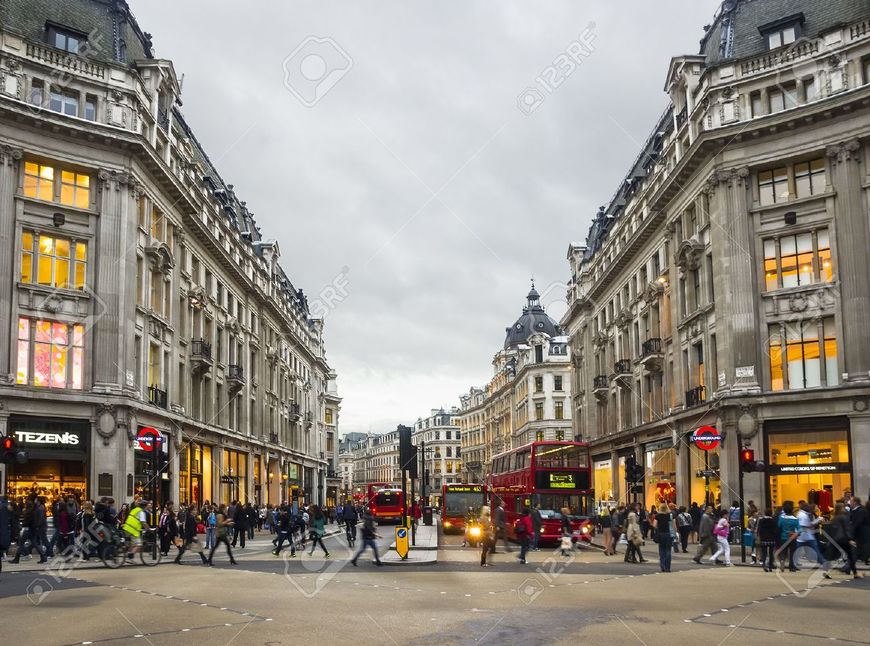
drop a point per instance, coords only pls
(414, 182)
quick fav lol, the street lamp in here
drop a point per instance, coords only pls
(427, 455)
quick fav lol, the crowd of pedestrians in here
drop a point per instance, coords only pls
(773, 539)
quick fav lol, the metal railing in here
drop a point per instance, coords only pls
(622, 366)
(157, 396)
(200, 348)
(235, 372)
(600, 381)
(696, 396)
(651, 346)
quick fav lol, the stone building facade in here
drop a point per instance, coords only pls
(725, 284)
(136, 290)
(528, 398)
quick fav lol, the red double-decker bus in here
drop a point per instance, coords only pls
(456, 501)
(386, 502)
(553, 475)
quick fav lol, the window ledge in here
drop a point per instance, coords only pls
(798, 201)
(80, 294)
(800, 289)
(56, 205)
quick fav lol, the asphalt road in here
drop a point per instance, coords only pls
(585, 598)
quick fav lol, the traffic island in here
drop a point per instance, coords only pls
(424, 551)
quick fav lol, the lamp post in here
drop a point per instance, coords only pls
(427, 455)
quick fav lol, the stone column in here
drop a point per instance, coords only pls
(735, 284)
(853, 240)
(860, 431)
(10, 161)
(105, 336)
(614, 474)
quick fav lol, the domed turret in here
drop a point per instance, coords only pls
(534, 319)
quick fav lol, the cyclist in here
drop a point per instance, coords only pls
(135, 524)
(350, 517)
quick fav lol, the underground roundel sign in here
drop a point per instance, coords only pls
(706, 438)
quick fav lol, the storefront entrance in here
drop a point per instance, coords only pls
(57, 458)
(602, 479)
(808, 460)
(660, 466)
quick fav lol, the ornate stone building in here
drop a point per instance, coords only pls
(725, 283)
(136, 290)
(528, 398)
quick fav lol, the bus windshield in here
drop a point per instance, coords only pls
(457, 503)
(560, 457)
(552, 505)
(387, 498)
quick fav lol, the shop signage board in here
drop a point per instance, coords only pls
(802, 469)
(706, 438)
(32, 438)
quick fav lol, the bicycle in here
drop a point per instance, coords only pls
(113, 552)
(350, 532)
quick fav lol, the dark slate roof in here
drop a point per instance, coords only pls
(734, 33)
(534, 319)
(114, 35)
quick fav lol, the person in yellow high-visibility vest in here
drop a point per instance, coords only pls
(136, 523)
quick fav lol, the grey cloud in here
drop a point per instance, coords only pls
(435, 82)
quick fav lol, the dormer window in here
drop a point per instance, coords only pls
(782, 32)
(66, 39)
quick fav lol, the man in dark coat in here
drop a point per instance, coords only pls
(705, 535)
(5, 528)
(240, 525)
(861, 526)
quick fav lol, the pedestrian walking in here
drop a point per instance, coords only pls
(766, 532)
(734, 522)
(350, 517)
(616, 525)
(605, 520)
(706, 538)
(684, 528)
(210, 521)
(167, 527)
(6, 511)
(487, 541)
(318, 530)
(860, 519)
(665, 536)
(789, 529)
(368, 535)
(32, 522)
(843, 535)
(722, 531)
(187, 524)
(253, 518)
(285, 532)
(537, 522)
(523, 530)
(807, 540)
(501, 527)
(634, 536)
(223, 525)
(695, 512)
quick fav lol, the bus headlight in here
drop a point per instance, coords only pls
(446, 523)
(585, 529)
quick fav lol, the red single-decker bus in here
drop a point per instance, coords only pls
(457, 501)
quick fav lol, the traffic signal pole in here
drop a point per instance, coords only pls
(742, 506)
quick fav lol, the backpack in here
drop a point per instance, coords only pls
(684, 520)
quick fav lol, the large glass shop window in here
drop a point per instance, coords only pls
(811, 466)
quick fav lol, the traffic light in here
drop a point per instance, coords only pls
(748, 464)
(162, 461)
(11, 453)
(633, 470)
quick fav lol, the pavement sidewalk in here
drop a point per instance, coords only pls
(424, 552)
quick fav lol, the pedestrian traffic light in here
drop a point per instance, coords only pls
(11, 452)
(162, 461)
(633, 470)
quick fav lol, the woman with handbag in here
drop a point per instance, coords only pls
(634, 536)
(318, 528)
(189, 527)
(721, 531)
(222, 531)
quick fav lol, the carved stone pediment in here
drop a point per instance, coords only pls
(624, 318)
(160, 256)
(599, 339)
(651, 293)
(688, 255)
